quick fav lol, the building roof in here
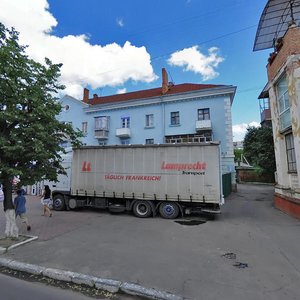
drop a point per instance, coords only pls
(151, 93)
(276, 17)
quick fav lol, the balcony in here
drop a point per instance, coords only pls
(101, 134)
(123, 132)
(203, 125)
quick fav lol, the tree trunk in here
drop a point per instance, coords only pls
(11, 229)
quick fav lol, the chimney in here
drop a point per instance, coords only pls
(95, 96)
(165, 85)
(86, 93)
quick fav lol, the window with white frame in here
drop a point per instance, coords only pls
(290, 152)
(125, 122)
(149, 141)
(150, 120)
(102, 123)
(283, 103)
(203, 114)
(175, 118)
(84, 127)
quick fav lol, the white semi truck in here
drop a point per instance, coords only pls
(169, 179)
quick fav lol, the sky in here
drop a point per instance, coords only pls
(119, 46)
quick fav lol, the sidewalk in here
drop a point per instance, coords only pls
(187, 261)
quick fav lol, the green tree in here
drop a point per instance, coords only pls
(259, 149)
(30, 134)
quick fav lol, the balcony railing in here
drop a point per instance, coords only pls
(123, 132)
(101, 134)
(203, 125)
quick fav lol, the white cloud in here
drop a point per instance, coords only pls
(193, 60)
(83, 64)
(121, 91)
(120, 22)
(239, 130)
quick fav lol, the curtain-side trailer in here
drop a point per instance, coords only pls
(169, 179)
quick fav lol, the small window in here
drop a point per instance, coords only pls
(84, 127)
(290, 153)
(150, 120)
(203, 114)
(175, 118)
(125, 142)
(149, 141)
(125, 122)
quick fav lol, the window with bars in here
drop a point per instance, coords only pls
(290, 152)
(203, 114)
(175, 118)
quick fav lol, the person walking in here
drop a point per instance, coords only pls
(46, 201)
(20, 208)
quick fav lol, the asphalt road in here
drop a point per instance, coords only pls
(251, 251)
(15, 289)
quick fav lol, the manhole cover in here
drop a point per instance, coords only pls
(229, 255)
(240, 265)
(190, 222)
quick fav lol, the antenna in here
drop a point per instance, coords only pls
(172, 81)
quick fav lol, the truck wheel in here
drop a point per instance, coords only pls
(169, 210)
(59, 202)
(142, 209)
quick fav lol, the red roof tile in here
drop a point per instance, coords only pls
(156, 92)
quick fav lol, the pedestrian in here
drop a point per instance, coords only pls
(20, 208)
(46, 201)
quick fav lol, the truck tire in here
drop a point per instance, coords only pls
(59, 202)
(142, 209)
(169, 210)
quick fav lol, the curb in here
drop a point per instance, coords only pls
(112, 286)
(30, 239)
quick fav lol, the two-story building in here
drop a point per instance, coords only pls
(172, 113)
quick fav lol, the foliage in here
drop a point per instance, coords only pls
(30, 134)
(259, 149)
(237, 154)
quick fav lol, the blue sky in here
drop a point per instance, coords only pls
(121, 45)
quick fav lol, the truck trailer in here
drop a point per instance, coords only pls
(169, 179)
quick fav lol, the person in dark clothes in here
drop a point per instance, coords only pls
(46, 200)
(20, 208)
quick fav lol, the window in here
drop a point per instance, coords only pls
(283, 104)
(290, 152)
(150, 120)
(84, 127)
(125, 122)
(102, 123)
(125, 141)
(175, 118)
(149, 141)
(203, 114)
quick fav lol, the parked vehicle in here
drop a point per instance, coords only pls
(169, 179)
